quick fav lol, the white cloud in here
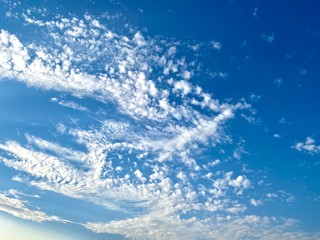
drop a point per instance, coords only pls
(124, 165)
(69, 104)
(240, 181)
(139, 39)
(159, 225)
(204, 130)
(182, 86)
(96, 172)
(283, 120)
(60, 151)
(309, 146)
(281, 195)
(172, 50)
(216, 45)
(125, 80)
(276, 135)
(239, 150)
(162, 226)
(278, 83)
(196, 47)
(17, 194)
(255, 203)
(139, 175)
(255, 12)
(214, 163)
(18, 208)
(13, 55)
(269, 38)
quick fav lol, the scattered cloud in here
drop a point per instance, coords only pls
(255, 98)
(268, 37)
(143, 164)
(216, 45)
(255, 203)
(308, 146)
(281, 195)
(303, 73)
(222, 75)
(255, 12)
(276, 135)
(214, 163)
(283, 120)
(278, 83)
(240, 149)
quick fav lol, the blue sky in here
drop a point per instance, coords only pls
(159, 120)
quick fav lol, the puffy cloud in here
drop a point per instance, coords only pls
(182, 86)
(214, 163)
(255, 203)
(309, 146)
(239, 184)
(13, 55)
(216, 45)
(240, 181)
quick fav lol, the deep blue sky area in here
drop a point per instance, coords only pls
(159, 119)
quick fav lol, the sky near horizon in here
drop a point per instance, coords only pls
(159, 120)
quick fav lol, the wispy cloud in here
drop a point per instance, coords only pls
(161, 226)
(69, 104)
(18, 208)
(280, 195)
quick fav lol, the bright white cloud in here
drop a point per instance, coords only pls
(308, 146)
(182, 86)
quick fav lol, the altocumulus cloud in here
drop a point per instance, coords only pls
(144, 165)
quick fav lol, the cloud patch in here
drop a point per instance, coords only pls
(309, 146)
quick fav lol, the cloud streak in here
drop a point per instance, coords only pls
(18, 208)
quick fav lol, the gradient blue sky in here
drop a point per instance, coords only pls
(159, 120)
